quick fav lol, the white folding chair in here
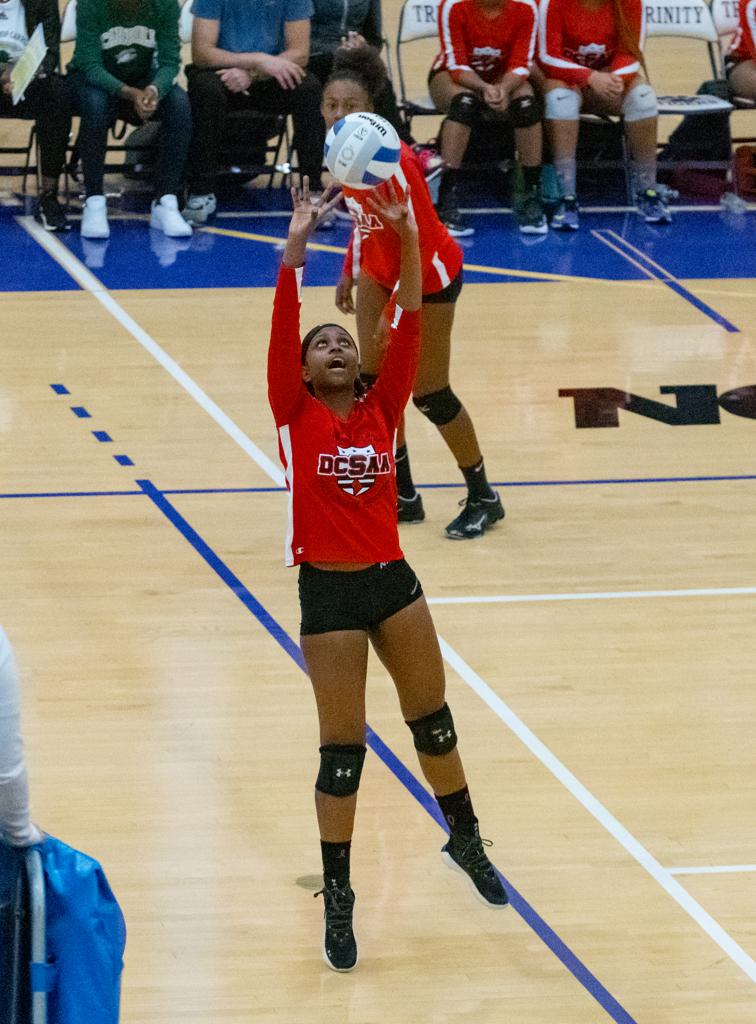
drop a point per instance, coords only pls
(417, 20)
(684, 19)
(726, 17)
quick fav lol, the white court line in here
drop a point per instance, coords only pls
(724, 869)
(694, 909)
(95, 287)
(608, 595)
(725, 942)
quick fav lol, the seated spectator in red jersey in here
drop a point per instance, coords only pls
(480, 79)
(46, 97)
(740, 62)
(591, 52)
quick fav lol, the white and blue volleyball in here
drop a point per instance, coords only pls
(362, 150)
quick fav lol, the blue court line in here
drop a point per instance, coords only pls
(81, 412)
(60, 389)
(573, 964)
(102, 436)
(123, 460)
(494, 483)
(659, 273)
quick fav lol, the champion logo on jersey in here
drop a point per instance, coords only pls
(355, 468)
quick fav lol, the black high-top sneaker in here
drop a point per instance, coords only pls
(475, 518)
(410, 510)
(339, 946)
(466, 853)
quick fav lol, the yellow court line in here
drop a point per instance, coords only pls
(535, 275)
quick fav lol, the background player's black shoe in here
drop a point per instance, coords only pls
(339, 946)
(466, 854)
(410, 510)
(475, 517)
(50, 214)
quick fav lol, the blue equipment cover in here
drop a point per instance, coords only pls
(86, 937)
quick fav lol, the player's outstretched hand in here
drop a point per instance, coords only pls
(309, 210)
(395, 211)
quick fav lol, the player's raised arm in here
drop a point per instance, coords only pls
(285, 389)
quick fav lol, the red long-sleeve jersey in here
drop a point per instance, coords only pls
(744, 44)
(490, 47)
(339, 473)
(574, 41)
(374, 248)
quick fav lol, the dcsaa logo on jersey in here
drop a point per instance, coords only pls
(355, 469)
(592, 55)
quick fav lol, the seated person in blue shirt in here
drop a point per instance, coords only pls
(250, 56)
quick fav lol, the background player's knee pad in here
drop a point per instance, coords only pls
(525, 111)
(439, 406)
(368, 379)
(340, 769)
(562, 105)
(640, 103)
(434, 734)
(465, 109)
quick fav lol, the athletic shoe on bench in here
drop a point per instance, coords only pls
(165, 217)
(94, 218)
(652, 207)
(566, 217)
(50, 213)
(199, 208)
(529, 213)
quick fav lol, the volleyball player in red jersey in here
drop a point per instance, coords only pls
(479, 80)
(740, 61)
(591, 52)
(336, 445)
(373, 256)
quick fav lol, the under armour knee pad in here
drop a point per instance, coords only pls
(434, 733)
(439, 406)
(525, 111)
(562, 105)
(340, 769)
(465, 109)
(640, 103)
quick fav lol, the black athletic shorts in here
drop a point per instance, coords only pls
(332, 600)
(448, 294)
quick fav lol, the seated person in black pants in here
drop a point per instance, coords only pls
(250, 56)
(46, 99)
(124, 65)
(349, 24)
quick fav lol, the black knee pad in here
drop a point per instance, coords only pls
(368, 379)
(439, 406)
(434, 734)
(340, 769)
(465, 109)
(525, 111)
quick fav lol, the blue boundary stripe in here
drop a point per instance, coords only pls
(495, 483)
(81, 412)
(102, 436)
(573, 964)
(662, 275)
(60, 389)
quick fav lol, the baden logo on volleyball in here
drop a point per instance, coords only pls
(362, 150)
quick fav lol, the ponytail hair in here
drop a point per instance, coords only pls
(626, 34)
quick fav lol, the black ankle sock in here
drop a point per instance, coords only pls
(531, 177)
(457, 809)
(447, 185)
(477, 482)
(404, 484)
(336, 862)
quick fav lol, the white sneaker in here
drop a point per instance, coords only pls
(94, 218)
(165, 217)
(199, 208)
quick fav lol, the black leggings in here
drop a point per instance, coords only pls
(210, 100)
(46, 102)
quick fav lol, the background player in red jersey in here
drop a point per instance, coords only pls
(479, 79)
(373, 256)
(741, 59)
(591, 52)
(354, 585)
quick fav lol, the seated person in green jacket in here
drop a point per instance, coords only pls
(124, 65)
(45, 100)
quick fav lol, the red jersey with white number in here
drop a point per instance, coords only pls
(574, 41)
(339, 473)
(489, 46)
(744, 44)
(374, 247)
